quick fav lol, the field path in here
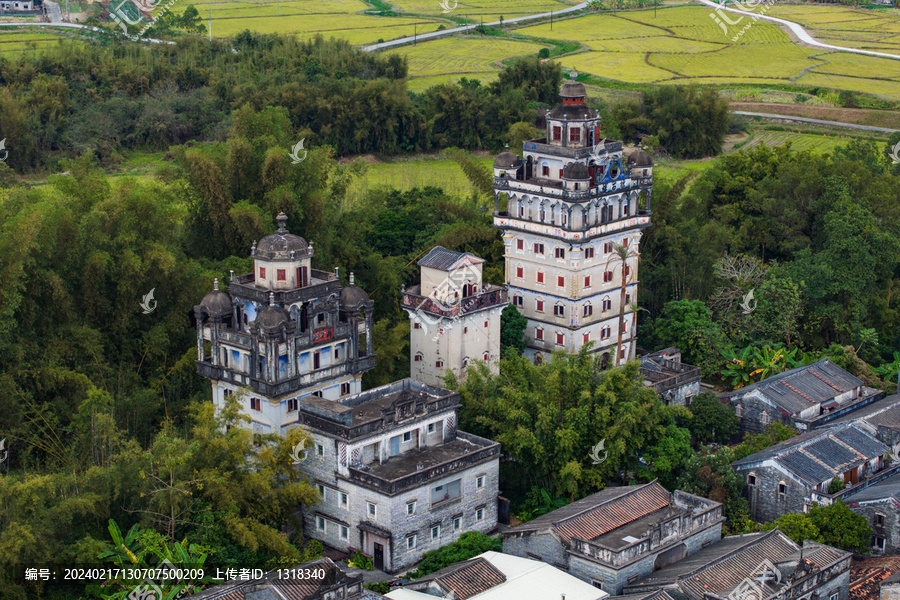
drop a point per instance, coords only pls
(437, 34)
(77, 26)
(805, 120)
(799, 31)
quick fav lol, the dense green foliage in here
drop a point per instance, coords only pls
(814, 236)
(774, 434)
(709, 475)
(689, 122)
(469, 544)
(713, 420)
(107, 98)
(570, 427)
(835, 525)
(512, 330)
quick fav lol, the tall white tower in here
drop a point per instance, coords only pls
(454, 316)
(564, 209)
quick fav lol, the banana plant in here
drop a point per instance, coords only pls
(737, 369)
(770, 361)
(889, 371)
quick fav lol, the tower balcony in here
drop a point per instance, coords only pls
(491, 296)
(503, 221)
(541, 147)
(279, 388)
(321, 283)
(552, 188)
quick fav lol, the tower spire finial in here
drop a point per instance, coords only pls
(216, 284)
(351, 278)
(282, 219)
(271, 298)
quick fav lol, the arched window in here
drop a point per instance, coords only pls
(465, 362)
(485, 357)
(419, 356)
(764, 418)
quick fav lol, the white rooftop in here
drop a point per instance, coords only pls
(525, 578)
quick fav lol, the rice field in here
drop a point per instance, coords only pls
(416, 172)
(446, 60)
(854, 28)
(14, 42)
(799, 141)
(684, 45)
(476, 10)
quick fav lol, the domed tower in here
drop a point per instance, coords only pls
(566, 209)
(282, 333)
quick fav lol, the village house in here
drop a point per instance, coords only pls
(497, 576)
(880, 419)
(880, 505)
(620, 534)
(674, 381)
(396, 476)
(757, 566)
(803, 398)
(789, 476)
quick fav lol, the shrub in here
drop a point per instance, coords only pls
(361, 561)
(379, 587)
(469, 544)
(544, 53)
(835, 486)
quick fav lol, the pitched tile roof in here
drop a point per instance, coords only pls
(600, 513)
(722, 566)
(800, 388)
(867, 576)
(883, 490)
(469, 578)
(881, 413)
(819, 455)
(446, 260)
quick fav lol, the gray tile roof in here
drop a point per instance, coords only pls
(798, 389)
(819, 455)
(881, 413)
(883, 490)
(570, 510)
(445, 260)
(469, 578)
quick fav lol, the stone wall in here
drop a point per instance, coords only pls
(890, 530)
(766, 504)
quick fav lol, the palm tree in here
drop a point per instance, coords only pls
(621, 253)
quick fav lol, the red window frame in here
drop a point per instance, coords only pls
(539, 306)
(539, 334)
(520, 272)
(560, 339)
(262, 272)
(560, 281)
(520, 244)
(557, 133)
(540, 277)
(589, 252)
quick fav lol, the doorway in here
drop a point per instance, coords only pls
(378, 559)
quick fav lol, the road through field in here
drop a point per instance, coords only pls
(799, 31)
(437, 34)
(805, 120)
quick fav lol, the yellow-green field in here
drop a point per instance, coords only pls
(841, 26)
(17, 41)
(448, 59)
(799, 141)
(487, 10)
(684, 45)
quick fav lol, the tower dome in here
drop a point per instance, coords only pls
(216, 303)
(353, 297)
(640, 159)
(281, 244)
(573, 89)
(576, 171)
(506, 160)
(272, 317)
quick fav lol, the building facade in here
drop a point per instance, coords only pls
(805, 398)
(618, 535)
(880, 505)
(396, 476)
(674, 381)
(563, 209)
(454, 317)
(789, 476)
(282, 333)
